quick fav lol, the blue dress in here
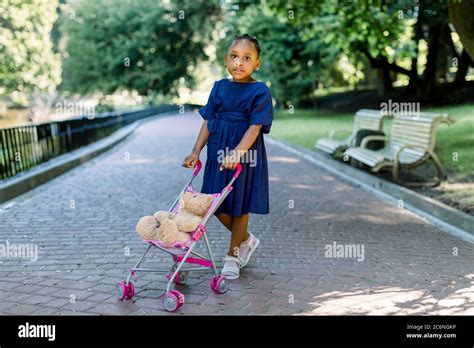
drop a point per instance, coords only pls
(232, 107)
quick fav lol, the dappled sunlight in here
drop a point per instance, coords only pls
(141, 161)
(130, 159)
(395, 300)
(341, 186)
(324, 216)
(456, 186)
(283, 159)
(351, 210)
(363, 301)
(328, 177)
(376, 219)
(302, 186)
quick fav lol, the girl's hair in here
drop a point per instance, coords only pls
(252, 39)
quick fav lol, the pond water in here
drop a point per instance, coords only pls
(21, 117)
(14, 117)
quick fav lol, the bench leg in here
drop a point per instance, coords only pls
(439, 173)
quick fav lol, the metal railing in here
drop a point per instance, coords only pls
(24, 147)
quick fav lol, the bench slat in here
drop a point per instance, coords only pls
(329, 145)
(363, 119)
(410, 139)
(364, 124)
(402, 129)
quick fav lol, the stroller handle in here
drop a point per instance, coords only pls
(238, 169)
(198, 167)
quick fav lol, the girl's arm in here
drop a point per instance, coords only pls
(247, 140)
(230, 162)
(202, 138)
(191, 160)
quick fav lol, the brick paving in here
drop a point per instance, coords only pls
(83, 225)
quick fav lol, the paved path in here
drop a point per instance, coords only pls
(83, 224)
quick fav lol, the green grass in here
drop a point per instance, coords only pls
(457, 138)
(304, 127)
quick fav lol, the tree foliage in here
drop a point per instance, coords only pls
(145, 45)
(291, 60)
(386, 33)
(464, 23)
(28, 63)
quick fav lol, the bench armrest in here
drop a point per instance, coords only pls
(333, 133)
(435, 158)
(409, 146)
(370, 138)
(448, 120)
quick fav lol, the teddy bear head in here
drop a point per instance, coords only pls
(196, 203)
(147, 228)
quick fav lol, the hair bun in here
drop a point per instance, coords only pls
(246, 36)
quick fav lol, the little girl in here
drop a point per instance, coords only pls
(238, 112)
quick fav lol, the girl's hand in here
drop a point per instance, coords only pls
(191, 160)
(230, 161)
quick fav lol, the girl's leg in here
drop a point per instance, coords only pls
(239, 233)
(227, 221)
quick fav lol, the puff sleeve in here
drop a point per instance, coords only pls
(262, 110)
(207, 111)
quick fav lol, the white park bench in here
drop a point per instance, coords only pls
(363, 119)
(411, 143)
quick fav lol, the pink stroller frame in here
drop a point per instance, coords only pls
(181, 253)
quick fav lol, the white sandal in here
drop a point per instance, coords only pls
(247, 248)
(231, 269)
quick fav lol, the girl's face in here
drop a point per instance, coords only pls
(242, 60)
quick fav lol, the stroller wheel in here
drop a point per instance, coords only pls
(180, 297)
(181, 278)
(131, 290)
(122, 291)
(171, 302)
(219, 285)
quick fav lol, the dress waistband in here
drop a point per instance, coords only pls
(230, 116)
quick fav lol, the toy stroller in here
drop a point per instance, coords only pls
(183, 253)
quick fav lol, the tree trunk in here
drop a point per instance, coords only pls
(414, 85)
(429, 75)
(445, 53)
(314, 100)
(417, 36)
(464, 62)
(461, 15)
(386, 78)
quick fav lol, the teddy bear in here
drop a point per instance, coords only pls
(147, 228)
(168, 227)
(168, 231)
(196, 203)
(186, 221)
(161, 227)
